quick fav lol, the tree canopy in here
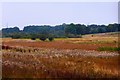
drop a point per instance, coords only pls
(64, 30)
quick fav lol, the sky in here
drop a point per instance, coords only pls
(21, 14)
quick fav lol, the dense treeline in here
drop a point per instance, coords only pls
(64, 30)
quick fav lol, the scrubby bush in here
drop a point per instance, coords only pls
(15, 36)
(42, 37)
(33, 38)
(50, 38)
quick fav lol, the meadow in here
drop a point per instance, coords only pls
(62, 58)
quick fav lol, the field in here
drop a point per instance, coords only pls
(61, 58)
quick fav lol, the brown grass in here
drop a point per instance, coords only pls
(62, 58)
(53, 63)
(73, 43)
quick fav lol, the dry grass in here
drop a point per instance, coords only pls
(54, 63)
(92, 43)
(95, 40)
(62, 58)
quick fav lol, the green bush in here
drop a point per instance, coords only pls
(42, 38)
(15, 36)
(33, 38)
(50, 38)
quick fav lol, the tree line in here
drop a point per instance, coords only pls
(59, 31)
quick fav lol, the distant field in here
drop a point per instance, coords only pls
(86, 43)
(61, 58)
(110, 34)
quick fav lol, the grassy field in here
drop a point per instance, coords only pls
(61, 58)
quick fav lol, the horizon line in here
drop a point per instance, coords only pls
(56, 25)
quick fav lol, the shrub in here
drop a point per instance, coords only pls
(43, 38)
(33, 38)
(15, 36)
(50, 38)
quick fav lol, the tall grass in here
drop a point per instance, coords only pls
(56, 63)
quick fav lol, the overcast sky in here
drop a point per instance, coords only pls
(53, 13)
